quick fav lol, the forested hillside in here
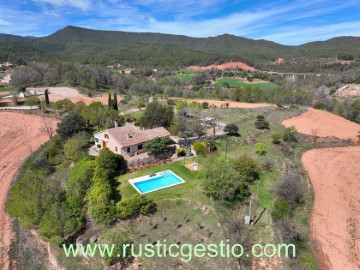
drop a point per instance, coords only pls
(154, 49)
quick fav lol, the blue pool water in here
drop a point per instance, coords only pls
(159, 181)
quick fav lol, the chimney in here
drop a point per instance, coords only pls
(115, 124)
(129, 136)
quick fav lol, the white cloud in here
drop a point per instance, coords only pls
(81, 4)
(296, 36)
(4, 22)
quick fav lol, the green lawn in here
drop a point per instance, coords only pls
(190, 189)
(239, 83)
(5, 88)
(184, 77)
(137, 114)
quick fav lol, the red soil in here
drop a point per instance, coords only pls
(280, 61)
(335, 222)
(58, 93)
(229, 65)
(323, 124)
(20, 135)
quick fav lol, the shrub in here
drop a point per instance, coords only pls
(205, 105)
(32, 101)
(199, 148)
(231, 129)
(276, 138)
(135, 206)
(319, 106)
(210, 144)
(261, 123)
(247, 167)
(280, 210)
(260, 148)
(180, 152)
(54, 151)
(289, 231)
(291, 188)
(268, 165)
(290, 135)
(171, 102)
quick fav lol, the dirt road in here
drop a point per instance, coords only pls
(335, 221)
(20, 136)
(323, 124)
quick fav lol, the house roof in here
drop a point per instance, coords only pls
(131, 135)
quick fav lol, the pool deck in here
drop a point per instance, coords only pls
(148, 177)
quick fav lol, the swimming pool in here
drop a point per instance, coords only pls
(156, 181)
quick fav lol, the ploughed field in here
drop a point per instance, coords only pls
(58, 93)
(20, 136)
(335, 221)
(321, 123)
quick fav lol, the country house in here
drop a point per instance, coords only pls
(127, 140)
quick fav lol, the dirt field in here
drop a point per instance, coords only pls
(229, 65)
(20, 135)
(349, 90)
(321, 123)
(6, 79)
(57, 93)
(232, 104)
(335, 222)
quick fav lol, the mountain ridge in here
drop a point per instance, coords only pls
(107, 46)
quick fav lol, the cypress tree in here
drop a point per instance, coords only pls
(109, 101)
(47, 101)
(115, 103)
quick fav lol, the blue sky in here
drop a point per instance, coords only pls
(286, 22)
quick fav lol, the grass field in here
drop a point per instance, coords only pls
(239, 83)
(184, 77)
(5, 88)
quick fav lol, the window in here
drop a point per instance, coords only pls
(116, 149)
(140, 146)
(106, 136)
(128, 149)
(97, 140)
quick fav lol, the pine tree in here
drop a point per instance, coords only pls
(115, 103)
(47, 101)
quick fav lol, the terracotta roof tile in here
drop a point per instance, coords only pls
(130, 135)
